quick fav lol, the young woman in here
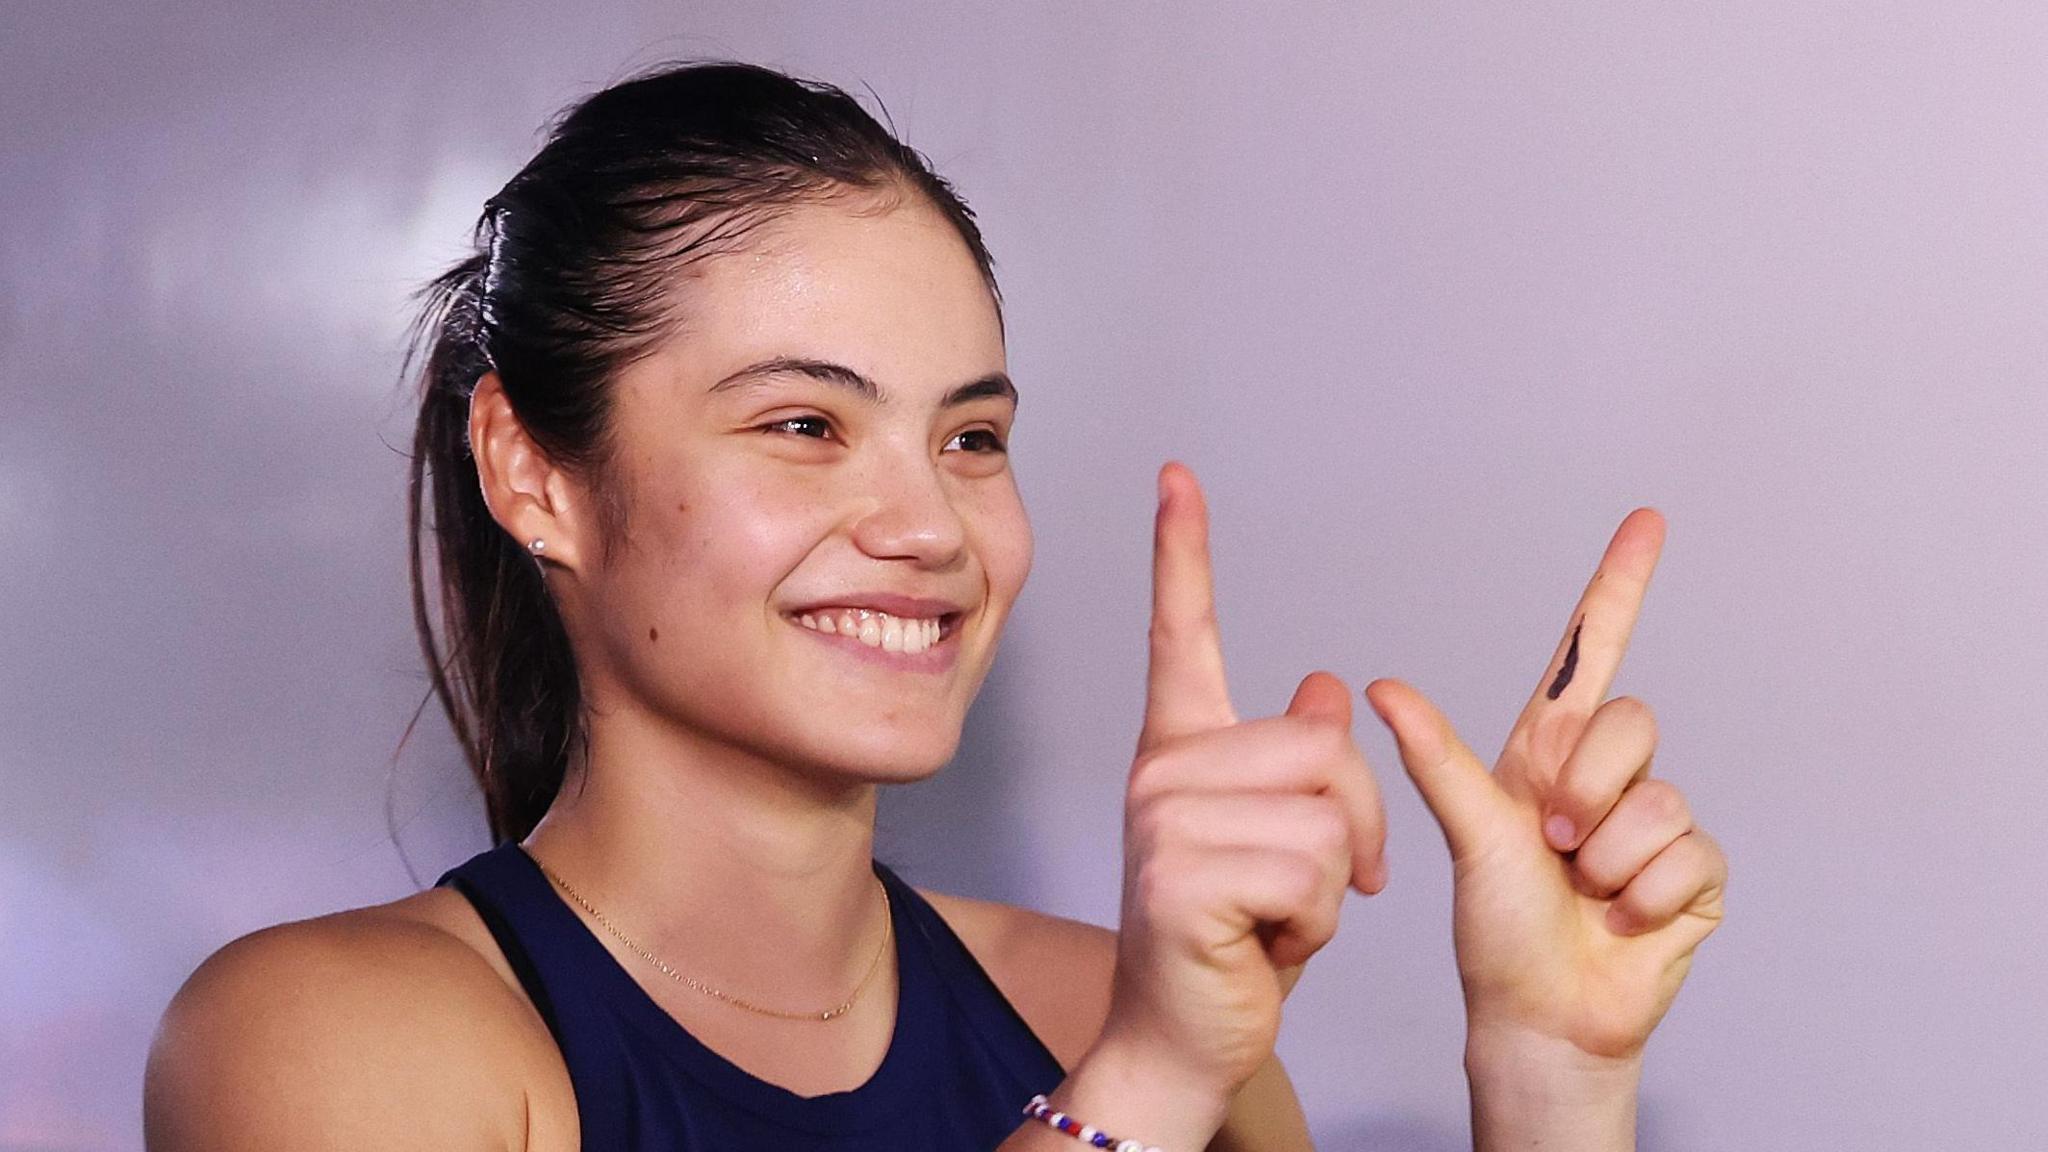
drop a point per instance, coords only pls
(713, 436)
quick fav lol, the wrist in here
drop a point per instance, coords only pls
(1531, 1090)
(1128, 1090)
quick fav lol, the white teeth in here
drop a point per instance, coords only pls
(876, 629)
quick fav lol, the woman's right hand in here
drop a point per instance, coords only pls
(1239, 842)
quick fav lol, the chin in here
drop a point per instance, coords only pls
(900, 763)
(885, 757)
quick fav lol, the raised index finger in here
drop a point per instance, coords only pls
(1582, 669)
(1185, 690)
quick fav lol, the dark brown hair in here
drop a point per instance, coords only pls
(570, 281)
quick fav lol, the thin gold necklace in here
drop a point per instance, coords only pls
(840, 1009)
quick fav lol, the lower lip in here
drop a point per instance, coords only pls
(936, 658)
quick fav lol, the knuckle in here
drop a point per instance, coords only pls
(1313, 740)
(1172, 630)
(1315, 932)
(1285, 730)
(1551, 739)
(1706, 859)
(1176, 814)
(1156, 884)
(1155, 822)
(1602, 878)
(1160, 636)
(1663, 802)
(1330, 741)
(1325, 832)
(1629, 707)
(1301, 877)
(1637, 714)
(1579, 796)
(1140, 791)
(1717, 860)
(1149, 774)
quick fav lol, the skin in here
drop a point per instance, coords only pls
(713, 710)
(1241, 839)
(1582, 886)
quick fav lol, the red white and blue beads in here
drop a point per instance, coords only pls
(1042, 1111)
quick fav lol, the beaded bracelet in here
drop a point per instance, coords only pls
(1039, 1109)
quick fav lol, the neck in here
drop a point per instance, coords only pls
(749, 875)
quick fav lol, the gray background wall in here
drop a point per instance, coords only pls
(1430, 294)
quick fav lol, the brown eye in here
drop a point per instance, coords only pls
(813, 427)
(981, 440)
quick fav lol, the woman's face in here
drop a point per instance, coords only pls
(823, 536)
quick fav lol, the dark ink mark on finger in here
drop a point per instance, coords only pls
(1570, 665)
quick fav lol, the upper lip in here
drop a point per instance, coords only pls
(901, 607)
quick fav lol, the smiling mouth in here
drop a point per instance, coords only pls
(906, 634)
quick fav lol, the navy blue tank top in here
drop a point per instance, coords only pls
(960, 1066)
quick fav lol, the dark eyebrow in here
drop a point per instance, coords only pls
(995, 384)
(821, 370)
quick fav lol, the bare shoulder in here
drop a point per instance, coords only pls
(381, 1026)
(1056, 972)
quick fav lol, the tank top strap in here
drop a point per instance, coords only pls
(972, 991)
(960, 1060)
(494, 901)
(546, 946)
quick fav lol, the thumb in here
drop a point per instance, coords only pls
(1324, 699)
(1456, 786)
(1322, 696)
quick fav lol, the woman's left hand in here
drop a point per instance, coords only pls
(1582, 886)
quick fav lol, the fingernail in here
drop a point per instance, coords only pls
(1558, 830)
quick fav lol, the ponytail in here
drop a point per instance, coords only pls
(502, 666)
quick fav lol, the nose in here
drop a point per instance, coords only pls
(910, 516)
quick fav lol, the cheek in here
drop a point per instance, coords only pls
(718, 547)
(1003, 539)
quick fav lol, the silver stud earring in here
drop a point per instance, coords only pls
(537, 546)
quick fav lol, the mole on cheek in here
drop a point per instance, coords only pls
(682, 507)
(653, 634)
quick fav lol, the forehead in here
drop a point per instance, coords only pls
(888, 289)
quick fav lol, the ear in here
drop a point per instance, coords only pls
(528, 494)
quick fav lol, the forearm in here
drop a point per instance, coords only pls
(1265, 1116)
(1120, 1093)
(1533, 1092)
